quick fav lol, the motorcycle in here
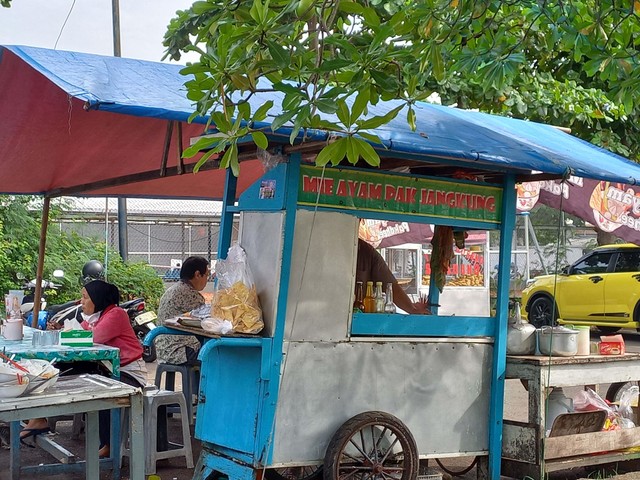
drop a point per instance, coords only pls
(26, 308)
(142, 322)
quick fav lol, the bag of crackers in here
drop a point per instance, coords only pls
(235, 298)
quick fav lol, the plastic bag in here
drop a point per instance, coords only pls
(588, 400)
(235, 298)
(217, 326)
(624, 409)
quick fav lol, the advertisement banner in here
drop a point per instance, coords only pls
(377, 192)
(612, 207)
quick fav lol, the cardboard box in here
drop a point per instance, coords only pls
(76, 338)
(611, 345)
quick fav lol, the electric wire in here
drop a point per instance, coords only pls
(55, 46)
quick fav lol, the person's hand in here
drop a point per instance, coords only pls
(422, 306)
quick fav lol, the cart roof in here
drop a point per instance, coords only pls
(84, 124)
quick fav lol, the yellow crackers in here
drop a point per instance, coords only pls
(239, 305)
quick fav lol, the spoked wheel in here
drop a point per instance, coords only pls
(542, 312)
(310, 472)
(369, 446)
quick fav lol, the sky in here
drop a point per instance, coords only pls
(38, 23)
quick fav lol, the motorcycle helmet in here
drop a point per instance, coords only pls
(92, 270)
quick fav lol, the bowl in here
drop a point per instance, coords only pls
(14, 390)
(42, 375)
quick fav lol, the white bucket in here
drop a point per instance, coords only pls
(13, 329)
(583, 339)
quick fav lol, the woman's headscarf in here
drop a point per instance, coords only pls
(102, 294)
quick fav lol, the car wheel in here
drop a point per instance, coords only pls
(608, 330)
(542, 312)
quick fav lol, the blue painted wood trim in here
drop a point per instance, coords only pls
(496, 402)
(226, 216)
(211, 462)
(250, 198)
(265, 440)
(380, 324)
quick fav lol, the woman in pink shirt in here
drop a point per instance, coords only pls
(110, 325)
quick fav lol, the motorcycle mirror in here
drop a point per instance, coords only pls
(26, 307)
(20, 276)
(58, 273)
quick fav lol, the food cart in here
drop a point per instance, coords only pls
(318, 377)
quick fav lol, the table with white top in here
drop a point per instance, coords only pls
(78, 394)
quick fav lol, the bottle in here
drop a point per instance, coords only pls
(358, 303)
(389, 306)
(369, 301)
(379, 298)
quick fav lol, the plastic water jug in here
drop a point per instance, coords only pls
(557, 404)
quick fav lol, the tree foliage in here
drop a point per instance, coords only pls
(572, 63)
(19, 242)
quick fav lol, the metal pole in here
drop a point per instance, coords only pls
(123, 234)
(40, 267)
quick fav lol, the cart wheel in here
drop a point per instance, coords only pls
(309, 472)
(369, 446)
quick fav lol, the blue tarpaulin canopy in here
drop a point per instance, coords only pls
(96, 125)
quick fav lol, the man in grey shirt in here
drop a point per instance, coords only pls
(179, 299)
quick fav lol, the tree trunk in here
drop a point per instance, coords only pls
(605, 238)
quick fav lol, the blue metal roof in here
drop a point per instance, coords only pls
(151, 89)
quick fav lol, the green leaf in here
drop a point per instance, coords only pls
(301, 118)
(377, 121)
(385, 81)
(244, 111)
(280, 56)
(360, 103)
(411, 118)
(371, 137)
(334, 64)
(203, 160)
(261, 113)
(350, 7)
(367, 152)
(370, 17)
(343, 112)
(334, 153)
(260, 139)
(281, 119)
(353, 154)
(327, 105)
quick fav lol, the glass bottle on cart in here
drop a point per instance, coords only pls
(369, 301)
(379, 298)
(358, 304)
(389, 306)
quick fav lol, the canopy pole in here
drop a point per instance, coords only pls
(43, 243)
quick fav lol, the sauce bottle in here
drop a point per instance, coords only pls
(369, 301)
(358, 304)
(379, 298)
(389, 306)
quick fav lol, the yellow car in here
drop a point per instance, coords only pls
(601, 289)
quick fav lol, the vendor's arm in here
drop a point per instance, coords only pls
(402, 300)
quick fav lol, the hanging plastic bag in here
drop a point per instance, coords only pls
(235, 298)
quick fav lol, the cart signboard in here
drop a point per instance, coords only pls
(357, 190)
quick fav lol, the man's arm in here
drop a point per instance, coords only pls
(402, 300)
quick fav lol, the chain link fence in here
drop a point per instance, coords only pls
(160, 232)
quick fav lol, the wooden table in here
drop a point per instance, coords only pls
(78, 394)
(526, 451)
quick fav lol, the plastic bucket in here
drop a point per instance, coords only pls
(13, 329)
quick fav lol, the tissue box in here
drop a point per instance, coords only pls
(611, 345)
(76, 338)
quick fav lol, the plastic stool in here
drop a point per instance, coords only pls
(190, 375)
(154, 406)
